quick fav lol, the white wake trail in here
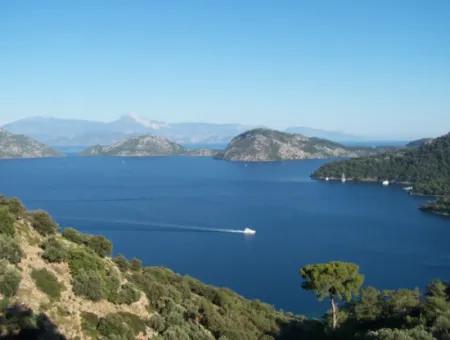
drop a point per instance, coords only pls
(158, 224)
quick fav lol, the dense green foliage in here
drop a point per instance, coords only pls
(92, 277)
(99, 244)
(6, 221)
(54, 250)
(426, 168)
(375, 314)
(9, 279)
(333, 280)
(10, 249)
(184, 304)
(47, 282)
(117, 326)
(14, 206)
(43, 223)
(397, 314)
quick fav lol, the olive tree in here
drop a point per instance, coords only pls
(333, 280)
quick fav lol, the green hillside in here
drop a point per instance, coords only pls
(426, 168)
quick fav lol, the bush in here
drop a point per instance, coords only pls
(14, 205)
(136, 264)
(6, 222)
(92, 277)
(400, 334)
(74, 235)
(54, 250)
(113, 326)
(122, 263)
(127, 294)
(9, 279)
(87, 284)
(47, 282)
(43, 223)
(101, 245)
(10, 249)
(157, 323)
(89, 324)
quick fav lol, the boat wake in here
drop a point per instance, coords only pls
(159, 225)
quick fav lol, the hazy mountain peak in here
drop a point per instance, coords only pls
(147, 123)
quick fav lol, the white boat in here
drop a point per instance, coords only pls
(407, 188)
(249, 231)
(327, 178)
(385, 183)
(343, 179)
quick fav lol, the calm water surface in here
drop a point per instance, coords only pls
(153, 208)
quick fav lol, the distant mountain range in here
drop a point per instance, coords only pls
(74, 132)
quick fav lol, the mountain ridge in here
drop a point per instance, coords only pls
(263, 145)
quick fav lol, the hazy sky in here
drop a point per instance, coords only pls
(379, 68)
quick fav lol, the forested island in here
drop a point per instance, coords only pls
(425, 166)
(58, 283)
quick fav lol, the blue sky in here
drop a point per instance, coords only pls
(377, 68)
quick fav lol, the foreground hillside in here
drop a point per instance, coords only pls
(66, 285)
(425, 167)
(20, 146)
(271, 145)
(72, 287)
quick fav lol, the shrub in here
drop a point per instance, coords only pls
(157, 323)
(6, 222)
(10, 249)
(9, 279)
(92, 277)
(43, 223)
(113, 326)
(54, 250)
(400, 334)
(133, 321)
(101, 245)
(136, 264)
(127, 294)
(122, 263)
(47, 282)
(87, 284)
(74, 235)
(15, 206)
(89, 324)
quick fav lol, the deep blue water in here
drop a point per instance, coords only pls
(147, 205)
